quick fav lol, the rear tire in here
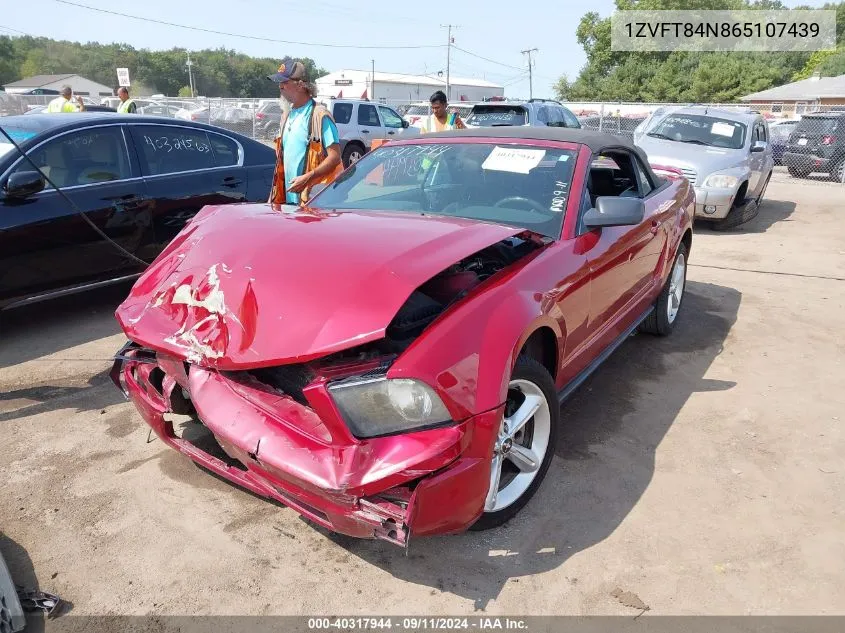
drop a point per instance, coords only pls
(836, 174)
(537, 438)
(667, 307)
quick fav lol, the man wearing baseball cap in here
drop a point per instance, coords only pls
(308, 147)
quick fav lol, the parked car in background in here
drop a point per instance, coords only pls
(726, 156)
(779, 132)
(404, 379)
(197, 113)
(534, 113)
(416, 112)
(236, 119)
(139, 179)
(168, 110)
(817, 144)
(360, 122)
(267, 120)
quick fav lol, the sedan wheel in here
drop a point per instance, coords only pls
(663, 317)
(676, 287)
(524, 443)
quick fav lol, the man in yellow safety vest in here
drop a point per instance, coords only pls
(440, 119)
(63, 103)
(126, 105)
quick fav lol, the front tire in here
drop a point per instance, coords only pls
(667, 307)
(524, 445)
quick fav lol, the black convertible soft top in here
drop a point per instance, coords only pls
(597, 142)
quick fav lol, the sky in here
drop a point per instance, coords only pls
(495, 29)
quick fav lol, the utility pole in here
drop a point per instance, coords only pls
(449, 43)
(373, 81)
(530, 74)
(189, 64)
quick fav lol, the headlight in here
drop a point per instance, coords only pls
(721, 181)
(378, 406)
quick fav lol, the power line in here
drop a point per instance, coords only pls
(11, 30)
(248, 37)
(486, 59)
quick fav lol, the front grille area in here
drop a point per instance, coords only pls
(689, 174)
(287, 379)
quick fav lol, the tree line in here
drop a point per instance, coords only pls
(689, 76)
(217, 73)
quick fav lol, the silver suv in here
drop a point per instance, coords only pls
(534, 112)
(725, 155)
(360, 122)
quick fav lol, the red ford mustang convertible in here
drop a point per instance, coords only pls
(390, 360)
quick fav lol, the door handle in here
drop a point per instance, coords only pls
(365, 131)
(391, 132)
(231, 181)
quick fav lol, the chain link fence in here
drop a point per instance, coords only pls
(807, 140)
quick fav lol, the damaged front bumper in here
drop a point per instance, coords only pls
(429, 482)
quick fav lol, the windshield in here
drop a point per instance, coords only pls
(700, 130)
(488, 116)
(817, 125)
(518, 185)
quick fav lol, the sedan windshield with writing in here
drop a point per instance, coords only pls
(491, 116)
(701, 130)
(518, 185)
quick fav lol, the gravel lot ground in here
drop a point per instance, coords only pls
(703, 473)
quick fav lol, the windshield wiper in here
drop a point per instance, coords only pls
(694, 141)
(659, 135)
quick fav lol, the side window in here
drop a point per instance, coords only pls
(390, 118)
(342, 113)
(367, 115)
(646, 186)
(570, 120)
(543, 115)
(83, 157)
(170, 149)
(764, 134)
(226, 152)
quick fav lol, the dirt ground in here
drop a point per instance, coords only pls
(702, 473)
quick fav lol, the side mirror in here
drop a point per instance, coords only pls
(613, 211)
(23, 184)
(405, 124)
(759, 146)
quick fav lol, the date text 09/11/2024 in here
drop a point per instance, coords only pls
(417, 624)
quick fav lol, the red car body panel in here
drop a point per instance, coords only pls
(259, 288)
(240, 276)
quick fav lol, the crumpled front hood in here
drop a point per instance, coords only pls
(246, 286)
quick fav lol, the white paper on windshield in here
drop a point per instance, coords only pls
(517, 161)
(722, 129)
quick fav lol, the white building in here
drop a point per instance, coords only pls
(398, 87)
(52, 84)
